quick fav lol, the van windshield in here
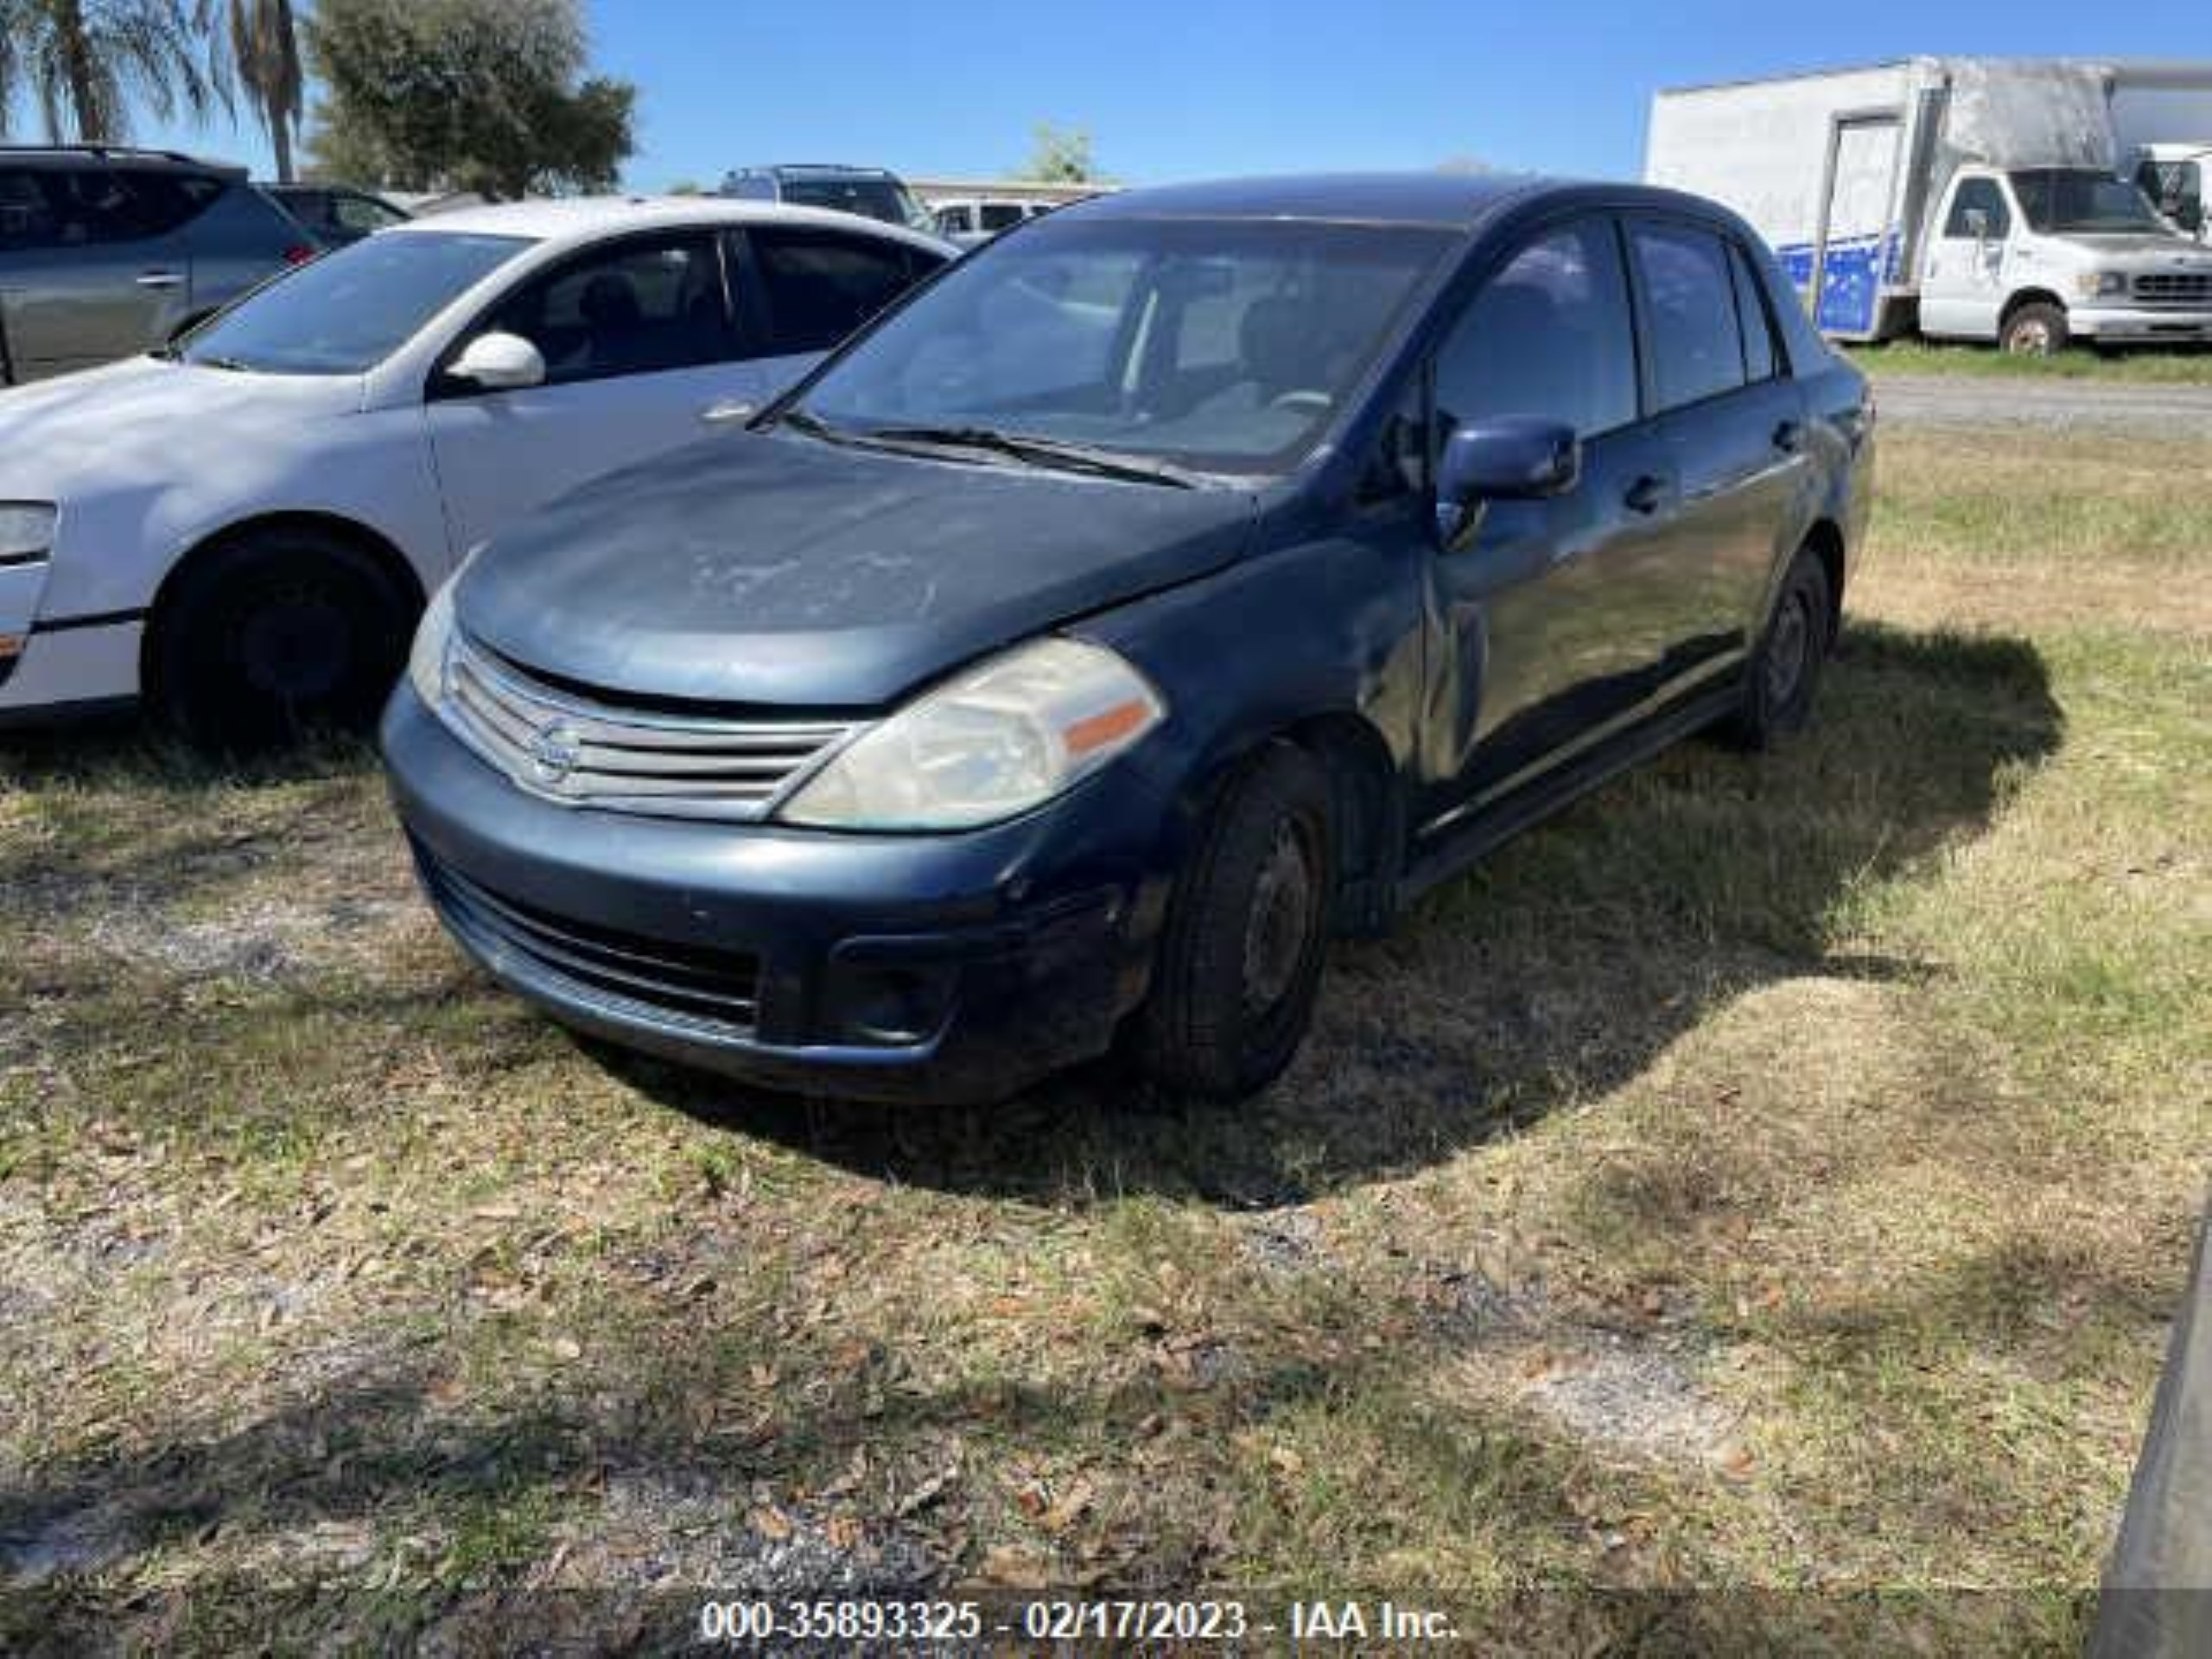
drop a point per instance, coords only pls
(880, 199)
(1217, 346)
(2077, 201)
(347, 312)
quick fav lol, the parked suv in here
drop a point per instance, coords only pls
(106, 252)
(871, 192)
(1199, 571)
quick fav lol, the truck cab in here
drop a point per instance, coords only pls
(2032, 257)
(2172, 177)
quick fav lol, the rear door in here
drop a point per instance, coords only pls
(1731, 421)
(1544, 636)
(802, 290)
(642, 354)
(91, 266)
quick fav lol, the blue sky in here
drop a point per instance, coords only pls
(1174, 89)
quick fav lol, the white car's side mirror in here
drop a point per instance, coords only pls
(499, 362)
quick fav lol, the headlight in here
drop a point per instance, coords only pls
(26, 529)
(2099, 284)
(997, 741)
(426, 662)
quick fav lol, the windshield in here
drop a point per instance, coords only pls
(347, 312)
(2057, 201)
(1221, 346)
(884, 199)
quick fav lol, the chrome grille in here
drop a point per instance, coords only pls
(2174, 287)
(714, 988)
(581, 752)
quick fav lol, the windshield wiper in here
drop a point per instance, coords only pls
(228, 365)
(1037, 452)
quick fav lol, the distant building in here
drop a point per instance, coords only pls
(935, 193)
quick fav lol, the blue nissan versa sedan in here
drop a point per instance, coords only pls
(1187, 576)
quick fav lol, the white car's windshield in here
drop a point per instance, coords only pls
(347, 312)
(2062, 201)
(1222, 345)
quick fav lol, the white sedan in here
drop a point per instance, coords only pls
(241, 530)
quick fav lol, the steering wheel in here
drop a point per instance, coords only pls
(1318, 403)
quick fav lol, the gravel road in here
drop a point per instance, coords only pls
(1962, 400)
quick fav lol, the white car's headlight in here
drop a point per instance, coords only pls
(426, 662)
(26, 529)
(1003, 737)
(2096, 284)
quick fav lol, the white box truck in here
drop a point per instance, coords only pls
(1969, 198)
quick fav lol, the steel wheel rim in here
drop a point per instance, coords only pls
(1279, 927)
(1787, 649)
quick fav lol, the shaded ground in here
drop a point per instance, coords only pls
(1773, 1175)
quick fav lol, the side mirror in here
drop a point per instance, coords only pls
(499, 362)
(1978, 224)
(1508, 458)
(2189, 215)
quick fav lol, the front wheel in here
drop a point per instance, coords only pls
(1785, 670)
(2036, 329)
(1233, 991)
(276, 635)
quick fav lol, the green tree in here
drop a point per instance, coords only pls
(1058, 156)
(85, 63)
(482, 95)
(265, 48)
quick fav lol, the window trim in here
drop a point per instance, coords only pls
(1741, 259)
(439, 387)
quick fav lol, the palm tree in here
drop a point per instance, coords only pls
(85, 62)
(265, 46)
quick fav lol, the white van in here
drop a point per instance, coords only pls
(1971, 199)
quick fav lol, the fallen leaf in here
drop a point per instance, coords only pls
(1017, 1568)
(771, 1523)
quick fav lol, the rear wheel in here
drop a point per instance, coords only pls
(1233, 992)
(276, 635)
(1785, 670)
(2036, 329)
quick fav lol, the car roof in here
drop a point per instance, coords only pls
(812, 170)
(588, 218)
(43, 156)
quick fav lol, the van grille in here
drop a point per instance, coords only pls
(582, 752)
(2174, 287)
(714, 987)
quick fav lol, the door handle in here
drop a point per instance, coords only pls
(1789, 437)
(727, 410)
(162, 279)
(1645, 494)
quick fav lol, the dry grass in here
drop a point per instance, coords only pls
(1773, 1175)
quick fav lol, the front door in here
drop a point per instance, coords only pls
(90, 271)
(641, 356)
(1963, 287)
(1541, 630)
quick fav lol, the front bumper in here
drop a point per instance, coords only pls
(71, 670)
(2124, 322)
(895, 968)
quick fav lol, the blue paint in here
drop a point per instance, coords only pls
(1851, 278)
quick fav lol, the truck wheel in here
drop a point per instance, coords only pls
(1233, 991)
(276, 635)
(2036, 329)
(1785, 670)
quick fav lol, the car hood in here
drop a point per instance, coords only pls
(145, 420)
(775, 569)
(2140, 247)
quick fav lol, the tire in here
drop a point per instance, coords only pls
(281, 632)
(1247, 930)
(1784, 672)
(2036, 329)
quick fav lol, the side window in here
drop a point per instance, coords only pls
(363, 213)
(1001, 215)
(88, 206)
(639, 308)
(818, 286)
(1547, 335)
(165, 202)
(1696, 350)
(1753, 319)
(26, 216)
(1982, 195)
